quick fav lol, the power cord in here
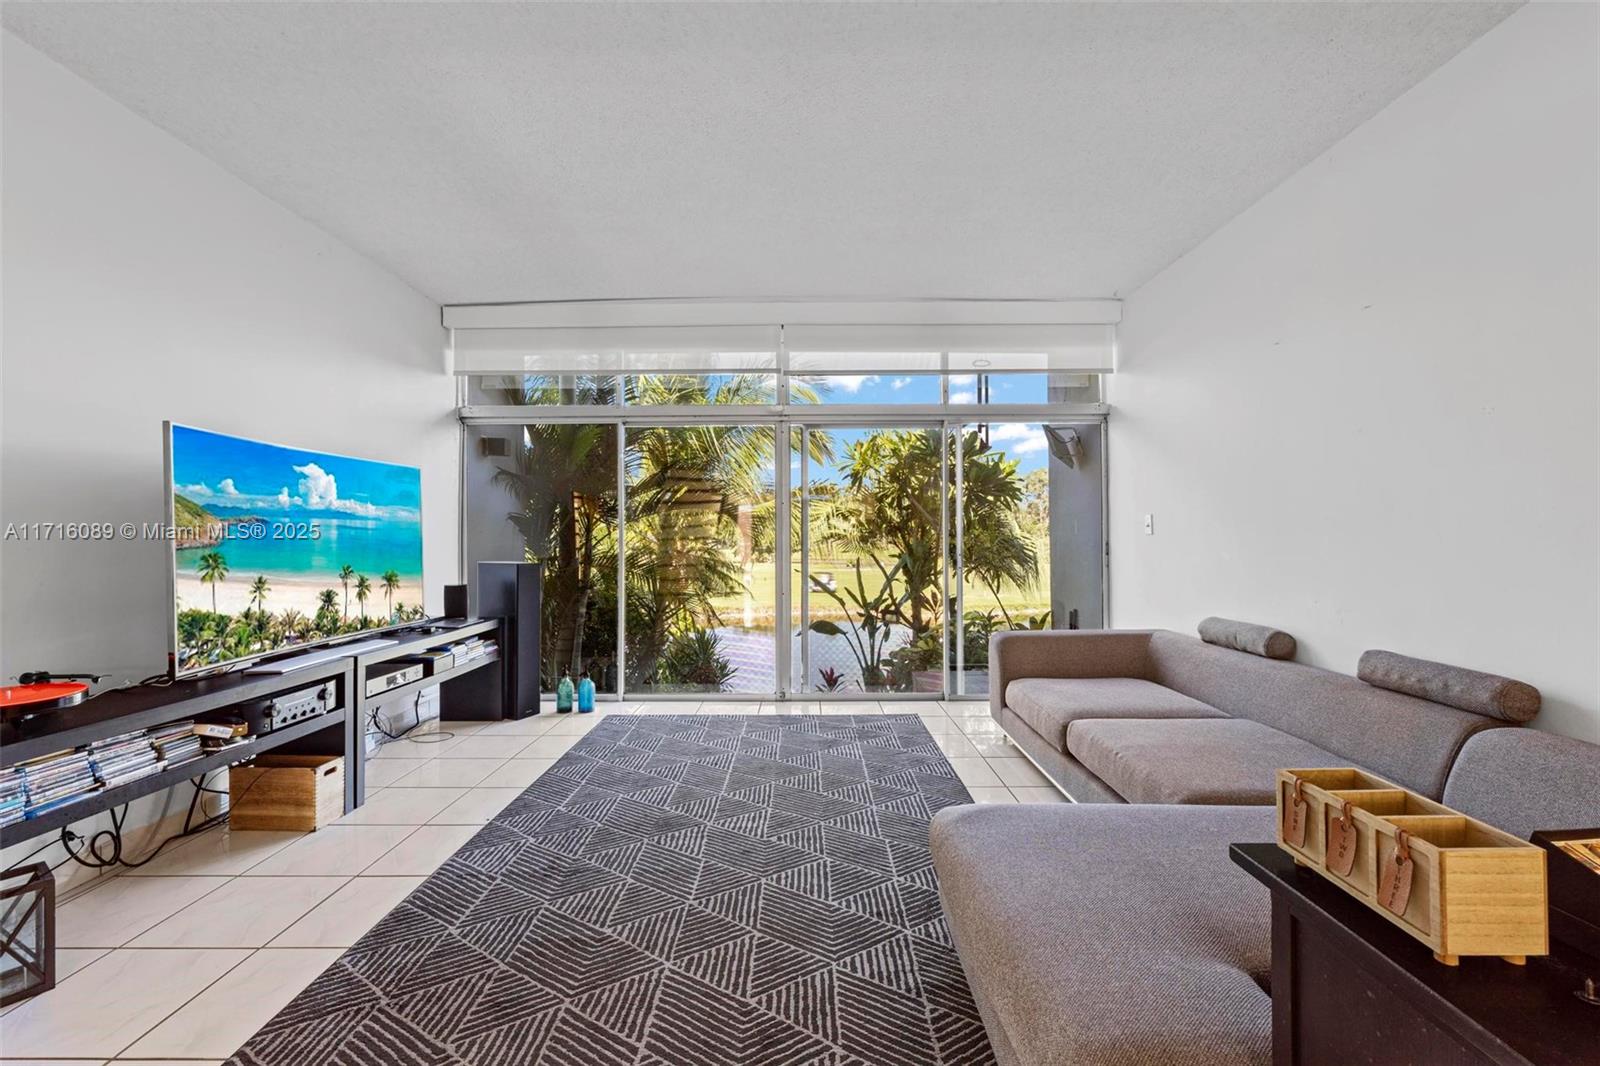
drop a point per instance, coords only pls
(439, 735)
(104, 848)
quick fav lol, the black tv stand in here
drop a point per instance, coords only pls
(470, 691)
(118, 711)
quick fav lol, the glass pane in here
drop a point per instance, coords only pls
(865, 388)
(998, 388)
(542, 390)
(1024, 388)
(876, 570)
(655, 390)
(1032, 542)
(548, 493)
(701, 607)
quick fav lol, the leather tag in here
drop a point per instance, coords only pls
(1294, 817)
(1341, 857)
(1394, 882)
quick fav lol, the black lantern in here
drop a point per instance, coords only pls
(27, 932)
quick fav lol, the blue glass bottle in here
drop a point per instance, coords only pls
(585, 694)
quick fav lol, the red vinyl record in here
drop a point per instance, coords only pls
(44, 696)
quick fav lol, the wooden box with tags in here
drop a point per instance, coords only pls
(1457, 884)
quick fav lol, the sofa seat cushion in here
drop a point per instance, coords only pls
(1050, 704)
(1221, 760)
(1107, 934)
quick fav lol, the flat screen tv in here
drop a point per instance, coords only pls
(277, 548)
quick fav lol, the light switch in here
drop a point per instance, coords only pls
(1149, 525)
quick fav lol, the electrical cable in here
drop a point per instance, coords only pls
(439, 735)
(104, 847)
(23, 861)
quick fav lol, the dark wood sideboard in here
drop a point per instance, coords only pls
(1348, 988)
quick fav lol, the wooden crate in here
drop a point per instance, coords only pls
(1474, 890)
(299, 793)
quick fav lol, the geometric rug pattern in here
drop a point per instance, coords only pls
(677, 890)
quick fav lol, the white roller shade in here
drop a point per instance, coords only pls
(617, 350)
(864, 362)
(999, 348)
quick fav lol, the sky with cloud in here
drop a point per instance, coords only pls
(1024, 442)
(217, 470)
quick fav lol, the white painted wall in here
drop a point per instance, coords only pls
(142, 282)
(1365, 410)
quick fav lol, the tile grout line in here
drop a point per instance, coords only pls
(249, 954)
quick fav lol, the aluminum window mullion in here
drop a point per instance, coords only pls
(783, 371)
(813, 414)
(805, 559)
(781, 493)
(961, 566)
(622, 563)
(944, 558)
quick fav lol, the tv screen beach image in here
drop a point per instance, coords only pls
(275, 547)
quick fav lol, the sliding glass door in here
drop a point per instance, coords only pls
(872, 566)
(816, 554)
(698, 560)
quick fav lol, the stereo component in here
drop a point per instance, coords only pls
(292, 707)
(393, 676)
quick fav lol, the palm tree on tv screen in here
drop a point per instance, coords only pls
(391, 585)
(213, 567)
(327, 620)
(258, 593)
(296, 626)
(346, 573)
(363, 590)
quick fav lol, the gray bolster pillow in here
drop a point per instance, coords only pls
(1242, 636)
(1453, 686)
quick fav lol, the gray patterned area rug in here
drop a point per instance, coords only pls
(677, 890)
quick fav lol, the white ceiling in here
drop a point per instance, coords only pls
(490, 152)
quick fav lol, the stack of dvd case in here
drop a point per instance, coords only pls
(13, 797)
(120, 759)
(176, 742)
(52, 781)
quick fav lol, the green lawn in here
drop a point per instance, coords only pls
(1020, 603)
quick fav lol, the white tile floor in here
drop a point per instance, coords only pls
(183, 959)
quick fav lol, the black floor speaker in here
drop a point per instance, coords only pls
(511, 592)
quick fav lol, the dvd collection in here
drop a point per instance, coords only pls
(40, 785)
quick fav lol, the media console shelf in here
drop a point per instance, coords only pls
(472, 690)
(121, 711)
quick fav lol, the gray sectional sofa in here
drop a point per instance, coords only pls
(1159, 717)
(1119, 933)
